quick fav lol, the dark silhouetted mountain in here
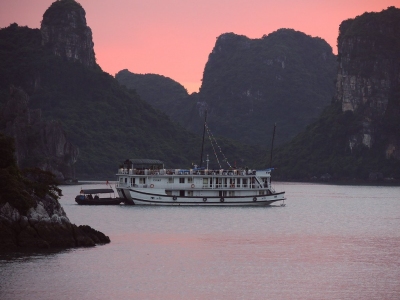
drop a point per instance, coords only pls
(250, 84)
(65, 33)
(38, 143)
(358, 136)
(161, 92)
(107, 122)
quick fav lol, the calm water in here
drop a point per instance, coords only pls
(329, 242)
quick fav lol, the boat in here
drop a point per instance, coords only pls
(146, 181)
(86, 197)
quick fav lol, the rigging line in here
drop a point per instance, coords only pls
(212, 144)
(209, 134)
(220, 150)
(223, 155)
(202, 144)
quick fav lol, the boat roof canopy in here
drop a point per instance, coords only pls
(97, 191)
(143, 164)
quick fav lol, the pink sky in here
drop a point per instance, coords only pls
(174, 37)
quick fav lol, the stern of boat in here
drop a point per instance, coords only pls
(124, 194)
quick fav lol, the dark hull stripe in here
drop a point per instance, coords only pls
(254, 203)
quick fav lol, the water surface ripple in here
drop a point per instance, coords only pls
(329, 242)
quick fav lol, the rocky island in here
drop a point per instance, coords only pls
(31, 217)
(35, 152)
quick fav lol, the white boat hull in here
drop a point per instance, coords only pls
(158, 197)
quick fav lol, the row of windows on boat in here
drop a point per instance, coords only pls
(227, 182)
(184, 193)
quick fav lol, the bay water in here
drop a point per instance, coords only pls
(328, 242)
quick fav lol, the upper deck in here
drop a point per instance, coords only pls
(195, 172)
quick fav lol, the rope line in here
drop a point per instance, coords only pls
(212, 144)
(211, 136)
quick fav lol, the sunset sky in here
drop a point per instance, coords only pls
(174, 37)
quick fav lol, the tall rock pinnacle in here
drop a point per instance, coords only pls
(65, 32)
(368, 79)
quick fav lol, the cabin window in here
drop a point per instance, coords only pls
(231, 193)
(126, 180)
(168, 192)
(142, 180)
(121, 180)
(219, 182)
(170, 180)
(205, 181)
(238, 182)
(244, 182)
(225, 182)
(231, 182)
(132, 181)
(262, 192)
(211, 182)
(222, 193)
(181, 180)
(190, 180)
(190, 193)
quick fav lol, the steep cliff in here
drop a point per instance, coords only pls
(164, 94)
(30, 215)
(358, 136)
(100, 117)
(250, 84)
(39, 143)
(368, 80)
(106, 121)
(161, 92)
(65, 33)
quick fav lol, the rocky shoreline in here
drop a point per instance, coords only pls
(45, 226)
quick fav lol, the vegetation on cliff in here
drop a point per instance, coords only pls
(108, 123)
(65, 32)
(370, 24)
(168, 96)
(285, 77)
(323, 148)
(161, 92)
(59, 8)
(249, 84)
(18, 186)
(31, 216)
(358, 136)
(38, 143)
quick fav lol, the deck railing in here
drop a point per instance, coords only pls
(186, 172)
(174, 186)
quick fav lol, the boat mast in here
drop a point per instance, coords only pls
(202, 145)
(272, 145)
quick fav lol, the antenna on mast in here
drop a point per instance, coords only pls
(272, 145)
(202, 145)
